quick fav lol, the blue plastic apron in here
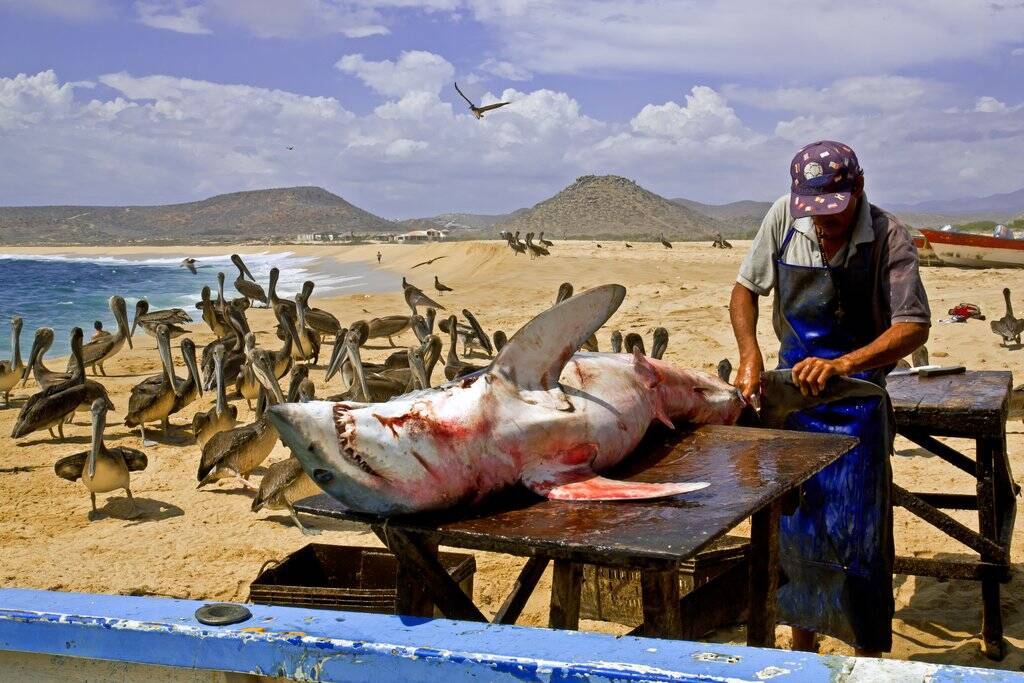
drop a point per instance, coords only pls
(836, 550)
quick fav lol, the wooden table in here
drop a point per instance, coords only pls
(751, 472)
(973, 405)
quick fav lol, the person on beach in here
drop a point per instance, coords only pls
(378, 258)
(848, 301)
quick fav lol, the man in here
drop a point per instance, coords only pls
(848, 301)
(378, 258)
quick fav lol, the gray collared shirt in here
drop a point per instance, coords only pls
(898, 283)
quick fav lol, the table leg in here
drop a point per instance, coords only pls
(566, 585)
(521, 592)
(663, 617)
(423, 566)
(764, 576)
(991, 619)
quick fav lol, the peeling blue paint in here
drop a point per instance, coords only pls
(304, 644)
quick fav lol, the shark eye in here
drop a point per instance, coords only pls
(322, 476)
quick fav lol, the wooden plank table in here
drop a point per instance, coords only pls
(752, 471)
(972, 405)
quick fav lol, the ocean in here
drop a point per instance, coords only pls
(63, 292)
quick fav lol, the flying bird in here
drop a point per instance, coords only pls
(479, 111)
(189, 263)
(427, 263)
(290, 147)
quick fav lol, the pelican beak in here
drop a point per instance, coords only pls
(357, 364)
(419, 370)
(98, 423)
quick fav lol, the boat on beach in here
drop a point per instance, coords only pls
(972, 250)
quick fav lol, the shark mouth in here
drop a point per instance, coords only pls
(345, 427)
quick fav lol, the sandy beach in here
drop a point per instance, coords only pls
(208, 544)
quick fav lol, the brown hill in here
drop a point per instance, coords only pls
(613, 207)
(240, 216)
(743, 216)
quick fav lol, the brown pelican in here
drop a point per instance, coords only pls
(54, 404)
(480, 336)
(12, 371)
(1008, 327)
(99, 332)
(388, 326)
(466, 333)
(44, 376)
(415, 297)
(424, 263)
(234, 346)
(420, 362)
(454, 367)
(628, 245)
(665, 243)
(272, 297)
(189, 263)
(616, 341)
(95, 353)
(659, 343)
(441, 287)
(305, 342)
(222, 416)
(500, 339)
(248, 288)
(285, 480)
(154, 398)
(237, 452)
(148, 320)
(102, 469)
(547, 243)
(536, 250)
(476, 110)
(212, 317)
(632, 341)
(322, 322)
(724, 370)
(378, 387)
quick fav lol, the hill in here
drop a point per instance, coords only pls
(745, 216)
(613, 207)
(256, 215)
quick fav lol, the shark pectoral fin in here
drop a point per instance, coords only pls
(555, 399)
(651, 379)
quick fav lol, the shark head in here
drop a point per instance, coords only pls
(342, 447)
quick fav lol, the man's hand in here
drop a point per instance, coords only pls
(812, 374)
(748, 379)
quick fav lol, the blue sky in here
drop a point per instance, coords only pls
(173, 100)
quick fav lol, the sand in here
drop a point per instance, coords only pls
(208, 544)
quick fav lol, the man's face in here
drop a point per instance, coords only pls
(837, 224)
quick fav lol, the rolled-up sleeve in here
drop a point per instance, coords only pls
(757, 272)
(901, 278)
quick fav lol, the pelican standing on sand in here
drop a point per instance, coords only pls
(440, 286)
(12, 371)
(95, 353)
(222, 416)
(54, 404)
(148, 320)
(36, 368)
(415, 297)
(153, 399)
(320, 321)
(1008, 327)
(454, 367)
(248, 288)
(237, 452)
(102, 469)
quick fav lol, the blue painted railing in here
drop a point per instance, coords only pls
(345, 646)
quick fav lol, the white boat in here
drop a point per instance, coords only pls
(975, 251)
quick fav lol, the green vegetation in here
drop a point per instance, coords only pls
(988, 226)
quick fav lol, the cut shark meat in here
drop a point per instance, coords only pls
(541, 415)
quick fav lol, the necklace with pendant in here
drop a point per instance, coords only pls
(840, 313)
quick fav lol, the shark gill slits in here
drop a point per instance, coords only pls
(323, 476)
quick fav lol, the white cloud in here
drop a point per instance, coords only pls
(989, 105)
(861, 93)
(414, 70)
(72, 10)
(747, 37)
(504, 69)
(706, 114)
(172, 15)
(1017, 52)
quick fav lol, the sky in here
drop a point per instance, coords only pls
(162, 101)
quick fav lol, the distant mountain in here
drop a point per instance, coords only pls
(744, 216)
(613, 207)
(256, 215)
(1005, 204)
(454, 221)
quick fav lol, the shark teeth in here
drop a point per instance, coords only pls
(345, 427)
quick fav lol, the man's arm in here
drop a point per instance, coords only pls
(898, 341)
(743, 314)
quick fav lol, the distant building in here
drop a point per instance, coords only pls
(319, 237)
(428, 235)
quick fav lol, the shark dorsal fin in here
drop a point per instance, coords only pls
(534, 357)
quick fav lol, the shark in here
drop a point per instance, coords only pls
(543, 414)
